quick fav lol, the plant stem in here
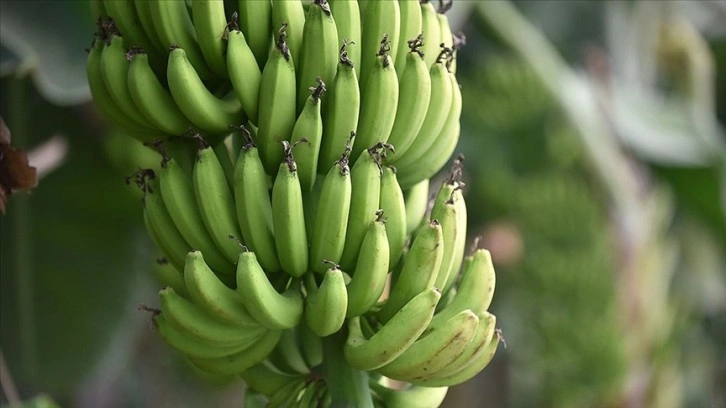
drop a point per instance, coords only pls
(348, 386)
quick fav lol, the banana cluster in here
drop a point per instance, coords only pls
(164, 68)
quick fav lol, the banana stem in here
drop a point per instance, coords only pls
(348, 386)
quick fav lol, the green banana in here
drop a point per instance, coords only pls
(346, 14)
(325, 306)
(365, 179)
(277, 111)
(446, 37)
(215, 201)
(435, 350)
(419, 269)
(206, 111)
(242, 361)
(210, 26)
(417, 201)
(288, 217)
(454, 238)
(484, 335)
(151, 96)
(309, 130)
(394, 206)
(414, 97)
(340, 111)
(265, 378)
(129, 24)
(411, 26)
(256, 23)
(379, 102)
(411, 397)
(244, 73)
(369, 278)
(431, 32)
(168, 275)
(212, 295)
(143, 11)
(331, 216)
(272, 309)
(287, 356)
(310, 344)
(287, 395)
(380, 19)
(319, 52)
(292, 14)
(254, 209)
(394, 337)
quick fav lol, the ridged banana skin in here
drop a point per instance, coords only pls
(212, 295)
(431, 32)
(325, 306)
(273, 310)
(435, 350)
(394, 207)
(290, 12)
(288, 220)
(447, 217)
(411, 397)
(114, 70)
(340, 113)
(369, 278)
(174, 27)
(265, 378)
(287, 395)
(153, 99)
(394, 337)
(162, 229)
(462, 221)
(378, 107)
(178, 194)
(128, 22)
(240, 362)
(436, 156)
(215, 202)
(420, 267)
(445, 35)
(210, 25)
(244, 73)
(189, 319)
(206, 111)
(309, 126)
(256, 24)
(411, 26)
(484, 335)
(478, 362)
(475, 290)
(287, 356)
(277, 109)
(413, 102)
(189, 346)
(365, 176)
(380, 18)
(147, 23)
(168, 275)
(417, 201)
(348, 23)
(254, 209)
(436, 114)
(331, 217)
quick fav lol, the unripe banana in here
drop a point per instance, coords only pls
(277, 111)
(419, 270)
(210, 26)
(340, 110)
(287, 395)
(365, 176)
(215, 201)
(436, 350)
(348, 23)
(445, 35)
(310, 344)
(409, 397)
(381, 18)
(319, 54)
(379, 102)
(287, 356)
(454, 238)
(265, 378)
(272, 309)
(417, 201)
(309, 130)
(143, 11)
(256, 23)
(244, 73)
(151, 97)
(484, 335)
(368, 281)
(254, 208)
(168, 275)
(288, 216)
(394, 337)
(411, 26)
(128, 22)
(393, 205)
(414, 97)
(331, 216)
(242, 361)
(431, 32)
(325, 306)
(291, 13)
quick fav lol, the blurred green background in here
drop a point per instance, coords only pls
(596, 175)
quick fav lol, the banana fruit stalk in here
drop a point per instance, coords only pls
(277, 254)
